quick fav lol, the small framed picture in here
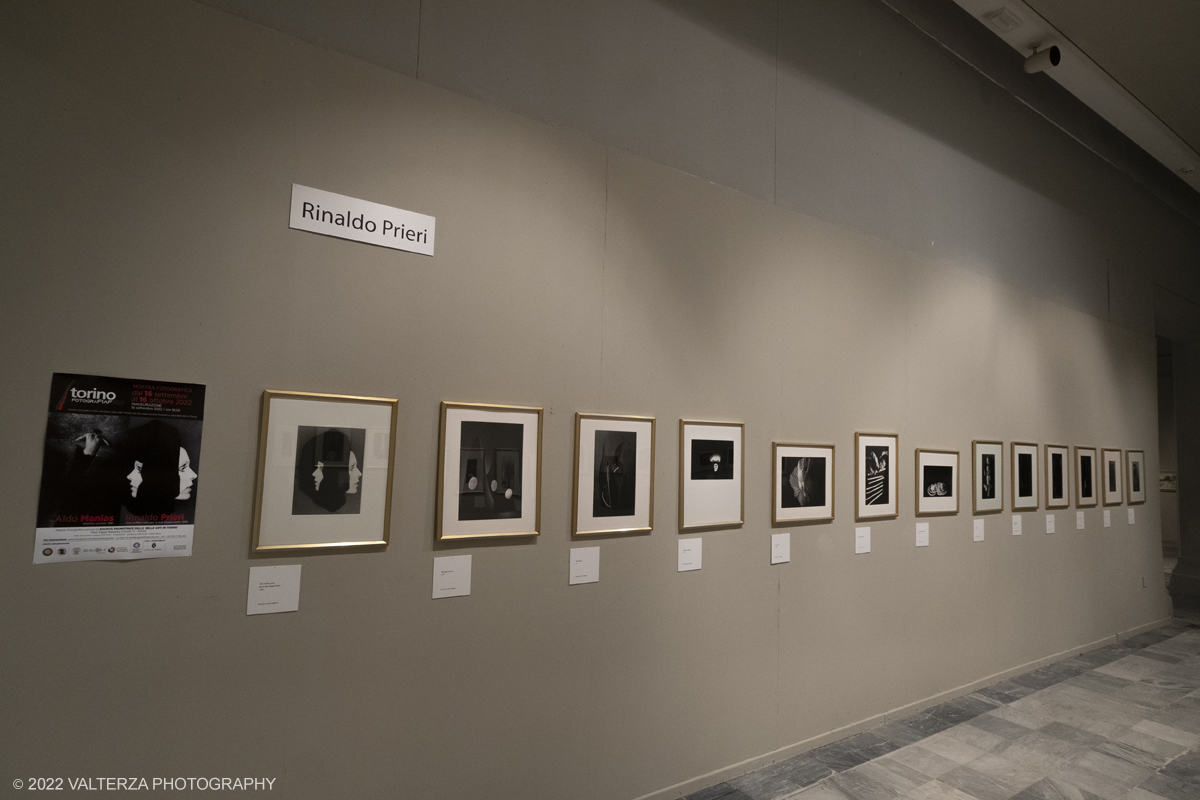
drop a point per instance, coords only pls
(614, 474)
(1024, 477)
(801, 483)
(937, 482)
(1135, 461)
(987, 477)
(1111, 478)
(489, 471)
(325, 469)
(711, 479)
(1058, 478)
(1087, 477)
(875, 469)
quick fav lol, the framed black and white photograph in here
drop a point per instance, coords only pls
(875, 468)
(1111, 477)
(1025, 490)
(489, 471)
(325, 467)
(1135, 463)
(987, 477)
(1087, 477)
(1058, 476)
(937, 482)
(711, 476)
(614, 474)
(801, 483)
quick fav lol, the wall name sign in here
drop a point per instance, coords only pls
(360, 220)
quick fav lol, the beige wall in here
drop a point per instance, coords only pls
(149, 150)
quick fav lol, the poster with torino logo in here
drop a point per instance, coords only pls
(120, 471)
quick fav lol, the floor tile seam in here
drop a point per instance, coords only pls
(1134, 708)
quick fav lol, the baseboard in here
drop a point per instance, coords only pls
(749, 765)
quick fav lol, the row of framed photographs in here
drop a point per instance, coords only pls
(1107, 476)
(326, 466)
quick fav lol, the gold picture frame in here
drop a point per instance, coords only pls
(867, 468)
(979, 504)
(1048, 452)
(927, 505)
(306, 436)
(1022, 502)
(1087, 476)
(707, 503)
(785, 516)
(488, 501)
(640, 492)
(1135, 468)
(1112, 476)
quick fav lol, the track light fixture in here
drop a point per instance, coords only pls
(1043, 60)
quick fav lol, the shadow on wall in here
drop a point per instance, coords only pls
(871, 54)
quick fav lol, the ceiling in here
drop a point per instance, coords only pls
(1133, 62)
(1150, 47)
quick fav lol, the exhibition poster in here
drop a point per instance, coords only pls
(120, 469)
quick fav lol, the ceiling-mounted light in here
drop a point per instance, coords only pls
(1043, 60)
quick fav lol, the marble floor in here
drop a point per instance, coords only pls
(1118, 723)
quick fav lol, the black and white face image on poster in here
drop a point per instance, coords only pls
(328, 478)
(878, 464)
(615, 490)
(489, 481)
(1112, 476)
(1135, 476)
(1085, 476)
(987, 480)
(120, 469)
(802, 482)
(712, 460)
(1024, 474)
(937, 481)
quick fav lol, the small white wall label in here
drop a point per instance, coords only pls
(451, 576)
(1049, 523)
(781, 548)
(978, 529)
(273, 590)
(862, 540)
(691, 553)
(1079, 520)
(1016, 524)
(922, 534)
(585, 565)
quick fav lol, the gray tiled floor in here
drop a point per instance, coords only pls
(1118, 723)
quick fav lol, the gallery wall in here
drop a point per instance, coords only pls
(150, 152)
